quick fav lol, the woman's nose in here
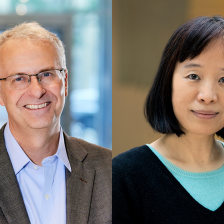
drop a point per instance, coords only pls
(207, 94)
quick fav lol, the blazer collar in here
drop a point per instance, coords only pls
(79, 183)
(11, 201)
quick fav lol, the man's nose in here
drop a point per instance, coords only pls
(207, 94)
(35, 89)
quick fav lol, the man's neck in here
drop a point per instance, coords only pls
(37, 143)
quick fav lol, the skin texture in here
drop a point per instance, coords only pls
(200, 88)
(198, 104)
(37, 131)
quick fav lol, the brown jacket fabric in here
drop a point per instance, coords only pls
(88, 186)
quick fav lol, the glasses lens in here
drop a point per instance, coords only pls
(49, 77)
(18, 81)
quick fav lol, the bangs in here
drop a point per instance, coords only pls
(197, 35)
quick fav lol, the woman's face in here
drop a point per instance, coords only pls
(198, 91)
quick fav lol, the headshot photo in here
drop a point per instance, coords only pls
(55, 112)
(174, 170)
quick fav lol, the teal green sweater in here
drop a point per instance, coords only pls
(206, 188)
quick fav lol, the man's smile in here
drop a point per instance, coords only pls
(36, 106)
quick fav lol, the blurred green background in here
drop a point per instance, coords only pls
(85, 27)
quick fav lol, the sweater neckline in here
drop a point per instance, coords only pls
(182, 191)
(182, 172)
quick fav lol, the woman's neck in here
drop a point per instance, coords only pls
(195, 153)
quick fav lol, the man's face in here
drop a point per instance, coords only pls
(28, 57)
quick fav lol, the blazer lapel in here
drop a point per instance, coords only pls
(11, 201)
(79, 184)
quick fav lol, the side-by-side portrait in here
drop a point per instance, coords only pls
(112, 112)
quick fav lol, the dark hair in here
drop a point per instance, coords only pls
(187, 42)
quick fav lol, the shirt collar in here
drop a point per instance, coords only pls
(61, 152)
(15, 151)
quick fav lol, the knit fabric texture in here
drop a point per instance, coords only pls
(145, 191)
(207, 188)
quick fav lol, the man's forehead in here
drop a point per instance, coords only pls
(17, 47)
(27, 56)
(20, 43)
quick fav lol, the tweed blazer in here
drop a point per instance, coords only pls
(88, 185)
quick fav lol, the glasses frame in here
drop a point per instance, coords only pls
(59, 69)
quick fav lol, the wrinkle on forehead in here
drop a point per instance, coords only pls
(12, 44)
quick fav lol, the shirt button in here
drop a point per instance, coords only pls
(36, 168)
(47, 196)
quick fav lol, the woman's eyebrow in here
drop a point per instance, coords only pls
(192, 65)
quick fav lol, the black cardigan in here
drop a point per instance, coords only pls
(144, 191)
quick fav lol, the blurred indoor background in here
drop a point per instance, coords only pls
(141, 28)
(85, 27)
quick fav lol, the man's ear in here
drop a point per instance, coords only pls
(66, 82)
(1, 100)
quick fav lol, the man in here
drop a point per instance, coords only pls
(45, 176)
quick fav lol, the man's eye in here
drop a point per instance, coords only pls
(46, 74)
(18, 79)
(221, 80)
(193, 77)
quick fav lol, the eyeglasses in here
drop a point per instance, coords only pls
(22, 81)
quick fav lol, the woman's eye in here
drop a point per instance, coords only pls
(221, 80)
(193, 77)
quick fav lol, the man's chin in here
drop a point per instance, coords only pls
(37, 124)
(41, 124)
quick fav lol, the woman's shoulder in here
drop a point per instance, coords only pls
(132, 154)
(135, 158)
(132, 174)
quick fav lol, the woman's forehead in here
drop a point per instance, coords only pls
(214, 48)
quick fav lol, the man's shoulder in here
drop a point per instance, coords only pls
(90, 147)
(88, 152)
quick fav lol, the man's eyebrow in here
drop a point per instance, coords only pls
(192, 65)
(23, 73)
(46, 69)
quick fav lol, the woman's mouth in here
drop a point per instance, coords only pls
(204, 114)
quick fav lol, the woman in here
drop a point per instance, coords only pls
(180, 177)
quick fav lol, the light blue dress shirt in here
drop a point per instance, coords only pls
(43, 188)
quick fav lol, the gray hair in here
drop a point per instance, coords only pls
(34, 31)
